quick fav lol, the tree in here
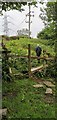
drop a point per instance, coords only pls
(47, 32)
(15, 5)
(48, 13)
(55, 16)
(49, 17)
(12, 5)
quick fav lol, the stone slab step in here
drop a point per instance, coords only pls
(48, 91)
(38, 85)
(3, 111)
(48, 83)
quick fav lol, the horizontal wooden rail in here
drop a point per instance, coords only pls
(46, 58)
(18, 56)
(34, 57)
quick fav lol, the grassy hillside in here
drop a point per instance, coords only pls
(20, 98)
(21, 45)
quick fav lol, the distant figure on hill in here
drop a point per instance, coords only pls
(38, 52)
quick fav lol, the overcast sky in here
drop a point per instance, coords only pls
(17, 21)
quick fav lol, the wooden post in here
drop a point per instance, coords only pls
(29, 60)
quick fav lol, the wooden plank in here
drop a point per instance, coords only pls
(34, 57)
(18, 56)
(51, 58)
(29, 60)
(10, 71)
(38, 68)
(45, 58)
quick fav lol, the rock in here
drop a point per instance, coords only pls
(49, 84)
(3, 112)
(38, 86)
(48, 91)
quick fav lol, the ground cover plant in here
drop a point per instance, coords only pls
(20, 98)
(24, 101)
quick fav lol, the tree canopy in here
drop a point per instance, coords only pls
(49, 17)
(12, 5)
(48, 13)
(15, 5)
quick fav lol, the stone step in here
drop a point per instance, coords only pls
(48, 91)
(48, 83)
(3, 112)
(38, 85)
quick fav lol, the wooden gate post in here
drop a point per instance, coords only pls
(29, 60)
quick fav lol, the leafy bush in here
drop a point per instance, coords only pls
(5, 70)
(6, 75)
(47, 33)
(50, 71)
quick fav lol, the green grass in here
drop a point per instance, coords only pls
(19, 96)
(24, 101)
(21, 45)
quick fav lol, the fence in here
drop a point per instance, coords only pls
(30, 70)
